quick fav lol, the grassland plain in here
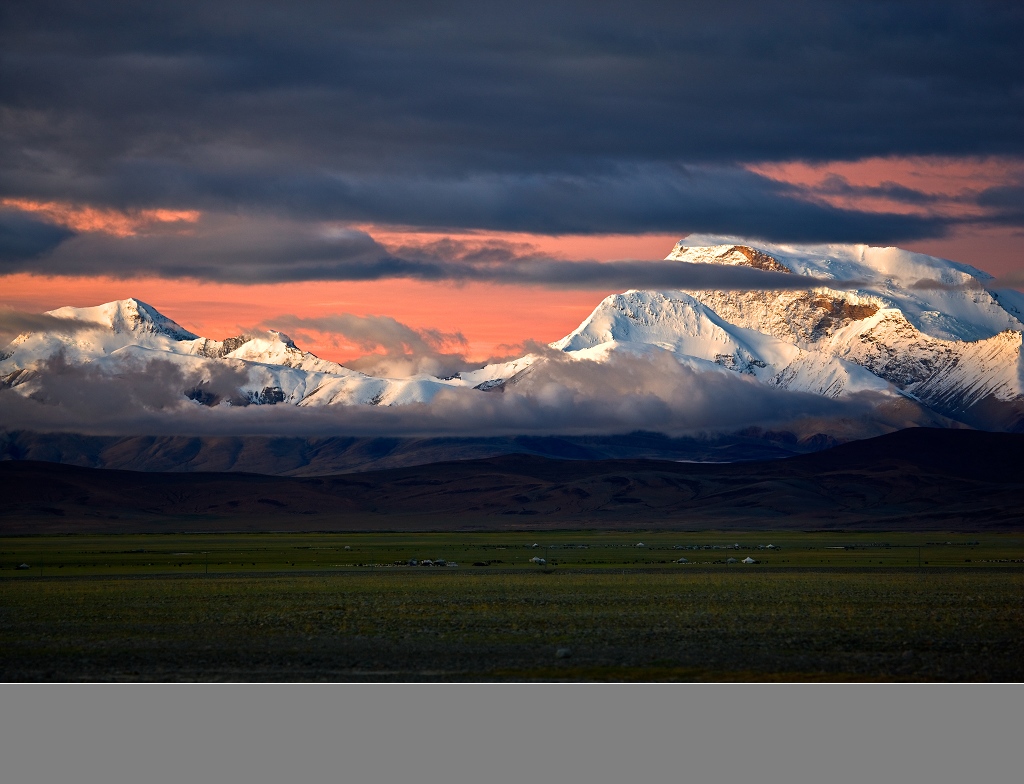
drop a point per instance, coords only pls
(816, 606)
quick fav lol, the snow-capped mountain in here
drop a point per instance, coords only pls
(129, 332)
(896, 325)
(932, 328)
(679, 323)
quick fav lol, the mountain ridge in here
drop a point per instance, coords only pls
(920, 479)
(897, 328)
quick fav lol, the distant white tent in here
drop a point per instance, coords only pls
(748, 560)
(682, 560)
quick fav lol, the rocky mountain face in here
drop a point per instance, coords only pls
(902, 327)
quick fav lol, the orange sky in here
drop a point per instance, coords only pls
(939, 176)
(998, 250)
(488, 315)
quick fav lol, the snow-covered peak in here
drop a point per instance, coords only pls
(270, 347)
(276, 348)
(739, 253)
(943, 299)
(126, 315)
(90, 333)
(677, 322)
(127, 325)
(836, 261)
(670, 319)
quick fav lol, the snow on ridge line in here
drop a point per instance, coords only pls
(114, 326)
(841, 261)
(960, 308)
(948, 347)
(127, 334)
(125, 315)
(678, 322)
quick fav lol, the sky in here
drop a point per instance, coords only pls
(458, 167)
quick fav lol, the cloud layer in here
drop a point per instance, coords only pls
(548, 118)
(399, 351)
(15, 322)
(248, 251)
(476, 85)
(560, 396)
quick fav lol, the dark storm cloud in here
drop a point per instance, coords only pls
(624, 198)
(249, 250)
(479, 80)
(837, 185)
(621, 198)
(548, 117)
(1005, 204)
(1001, 204)
(23, 238)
